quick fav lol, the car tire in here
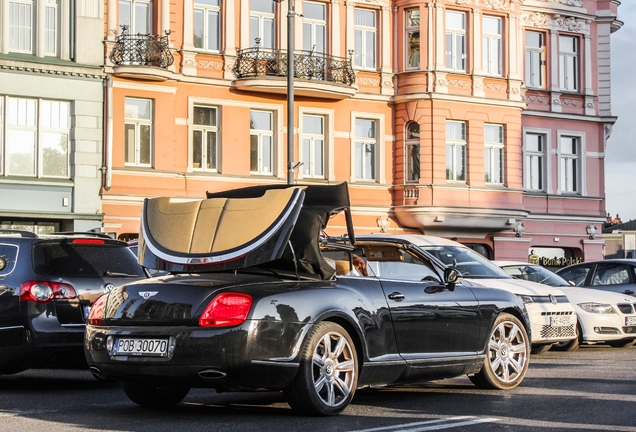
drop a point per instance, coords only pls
(621, 343)
(540, 349)
(154, 396)
(570, 345)
(507, 355)
(328, 373)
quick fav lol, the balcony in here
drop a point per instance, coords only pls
(315, 74)
(141, 56)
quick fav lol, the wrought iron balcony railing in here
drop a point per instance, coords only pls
(141, 50)
(257, 61)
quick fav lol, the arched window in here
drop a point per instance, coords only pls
(412, 151)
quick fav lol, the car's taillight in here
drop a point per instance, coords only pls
(89, 241)
(227, 309)
(44, 291)
(96, 316)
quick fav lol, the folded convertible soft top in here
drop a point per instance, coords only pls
(276, 226)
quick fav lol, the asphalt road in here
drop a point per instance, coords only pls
(592, 389)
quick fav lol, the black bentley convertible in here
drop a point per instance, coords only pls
(257, 299)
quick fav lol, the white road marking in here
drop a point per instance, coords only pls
(431, 425)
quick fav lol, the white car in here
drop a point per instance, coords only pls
(603, 317)
(552, 317)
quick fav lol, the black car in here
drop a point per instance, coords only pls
(618, 275)
(258, 299)
(47, 286)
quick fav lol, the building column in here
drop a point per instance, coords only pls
(335, 35)
(39, 40)
(555, 85)
(112, 29)
(245, 24)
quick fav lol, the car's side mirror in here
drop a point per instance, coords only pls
(451, 277)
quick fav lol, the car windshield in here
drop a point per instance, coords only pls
(85, 260)
(535, 273)
(470, 263)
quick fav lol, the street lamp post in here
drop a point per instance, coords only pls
(290, 90)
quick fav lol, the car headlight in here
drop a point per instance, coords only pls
(526, 299)
(597, 308)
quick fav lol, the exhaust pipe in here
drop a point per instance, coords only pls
(95, 371)
(212, 374)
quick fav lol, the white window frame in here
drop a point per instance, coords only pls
(207, 10)
(491, 150)
(362, 144)
(413, 49)
(51, 27)
(492, 48)
(535, 67)
(133, 16)
(38, 128)
(569, 68)
(311, 25)
(455, 144)
(260, 133)
(328, 115)
(204, 130)
(361, 32)
(533, 158)
(452, 53)
(17, 30)
(309, 164)
(566, 159)
(380, 174)
(262, 18)
(137, 123)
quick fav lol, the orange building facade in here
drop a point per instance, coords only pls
(480, 120)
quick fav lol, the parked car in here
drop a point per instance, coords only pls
(616, 275)
(552, 317)
(603, 317)
(47, 286)
(253, 302)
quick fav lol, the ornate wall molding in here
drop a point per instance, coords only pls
(556, 22)
(52, 71)
(501, 4)
(496, 87)
(209, 64)
(369, 81)
(575, 3)
(458, 83)
(571, 102)
(537, 99)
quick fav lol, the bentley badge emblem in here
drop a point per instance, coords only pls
(147, 294)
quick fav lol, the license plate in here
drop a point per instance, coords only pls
(559, 321)
(141, 347)
(630, 321)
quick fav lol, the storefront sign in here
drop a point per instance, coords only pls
(553, 262)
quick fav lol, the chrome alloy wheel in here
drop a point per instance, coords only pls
(507, 352)
(333, 368)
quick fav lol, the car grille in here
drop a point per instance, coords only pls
(626, 308)
(549, 332)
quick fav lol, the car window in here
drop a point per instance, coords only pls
(611, 274)
(84, 260)
(576, 275)
(397, 263)
(535, 273)
(8, 258)
(470, 263)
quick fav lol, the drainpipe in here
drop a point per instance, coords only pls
(108, 142)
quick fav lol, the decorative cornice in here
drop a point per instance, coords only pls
(575, 3)
(12, 67)
(501, 4)
(556, 22)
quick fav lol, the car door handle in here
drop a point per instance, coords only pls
(396, 296)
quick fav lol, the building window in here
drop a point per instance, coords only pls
(365, 30)
(455, 151)
(138, 132)
(261, 142)
(493, 153)
(413, 38)
(262, 23)
(569, 164)
(366, 143)
(137, 15)
(204, 138)
(50, 27)
(568, 63)
(455, 41)
(314, 27)
(412, 151)
(207, 34)
(1, 135)
(533, 174)
(535, 59)
(313, 140)
(492, 45)
(20, 26)
(37, 137)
